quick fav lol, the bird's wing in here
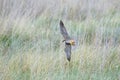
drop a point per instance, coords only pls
(68, 51)
(64, 31)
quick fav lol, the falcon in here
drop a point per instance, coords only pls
(67, 39)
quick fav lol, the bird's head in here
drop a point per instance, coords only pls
(72, 42)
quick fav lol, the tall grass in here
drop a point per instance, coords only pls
(31, 45)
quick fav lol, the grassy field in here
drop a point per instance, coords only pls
(31, 46)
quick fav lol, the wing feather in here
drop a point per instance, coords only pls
(64, 31)
(68, 52)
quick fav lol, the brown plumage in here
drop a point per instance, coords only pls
(68, 41)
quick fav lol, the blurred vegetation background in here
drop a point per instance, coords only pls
(31, 45)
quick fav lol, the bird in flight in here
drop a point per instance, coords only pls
(67, 39)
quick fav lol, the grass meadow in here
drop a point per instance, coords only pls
(31, 46)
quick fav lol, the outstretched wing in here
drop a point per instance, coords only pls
(64, 31)
(68, 51)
